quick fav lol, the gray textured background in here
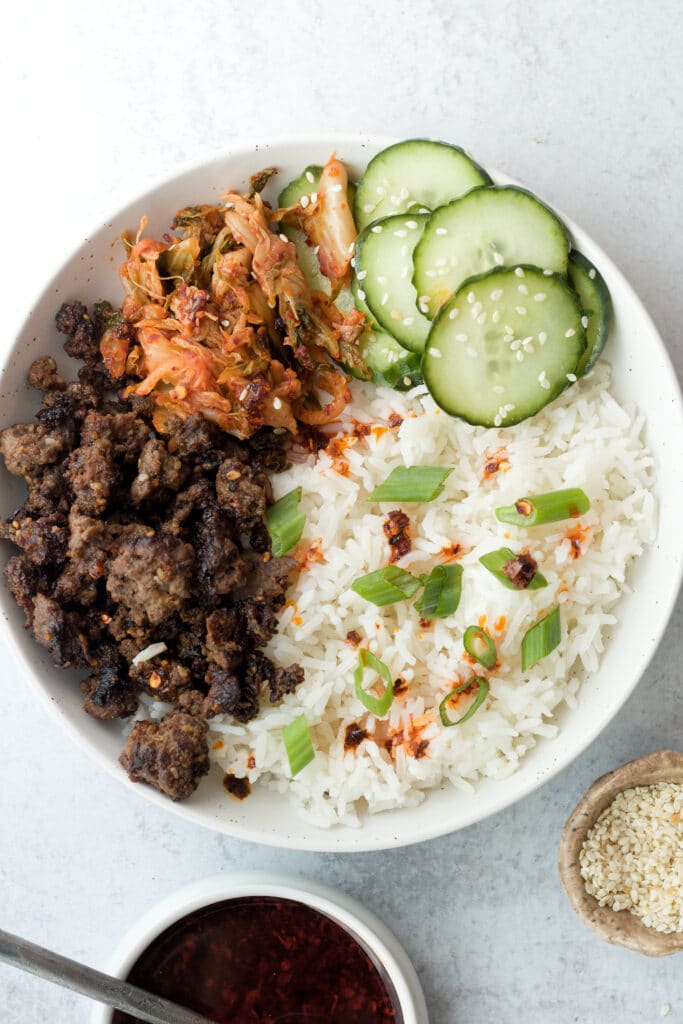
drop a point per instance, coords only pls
(581, 102)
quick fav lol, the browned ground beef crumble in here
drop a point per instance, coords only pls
(130, 538)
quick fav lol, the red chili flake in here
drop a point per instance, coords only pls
(311, 439)
(496, 462)
(353, 637)
(521, 570)
(426, 623)
(361, 429)
(397, 531)
(251, 762)
(394, 420)
(410, 737)
(400, 686)
(336, 448)
(354, 736)
(237, 788)
(310, 554)
(577, 537)
(450, 551)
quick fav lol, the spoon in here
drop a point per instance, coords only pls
(112, 991)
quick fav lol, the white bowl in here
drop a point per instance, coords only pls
(642, 374)
(347, 912)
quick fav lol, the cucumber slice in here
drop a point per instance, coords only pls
(489, 227)
(506, 344)
(419, 171)
(384, 265)
(390, 365)
(596, 305)
(306, 256)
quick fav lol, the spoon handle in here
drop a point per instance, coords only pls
(116, 993)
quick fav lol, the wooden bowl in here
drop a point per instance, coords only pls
(621, 928)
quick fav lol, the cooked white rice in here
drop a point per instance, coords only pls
(584, 439)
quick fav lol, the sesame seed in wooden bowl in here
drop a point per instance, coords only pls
(606, 859)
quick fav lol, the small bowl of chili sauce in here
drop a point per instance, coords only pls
(255, 948)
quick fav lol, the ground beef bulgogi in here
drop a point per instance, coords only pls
(128, 539)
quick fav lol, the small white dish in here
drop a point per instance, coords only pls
(347, 912)
(642, 373)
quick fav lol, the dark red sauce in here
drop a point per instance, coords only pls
(262, 960)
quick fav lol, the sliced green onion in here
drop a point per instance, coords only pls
(285, 523)
(480, 646)
(482, 694)
(377, 705)
(545, 508)
(442, 589)
(542, 638)
(387, 585)
(494, 561)
(297, 740)
(412, 483)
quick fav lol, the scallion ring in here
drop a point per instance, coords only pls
(442, 590)
(377, 705)
(412, 483)
(542, 638)
(298, 744)
(482, 693)
(480, 646)
(285, 523)
(569, 503)
(387, 585)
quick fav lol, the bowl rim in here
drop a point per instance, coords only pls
(620, 928)
(340, 907)
(341, 838)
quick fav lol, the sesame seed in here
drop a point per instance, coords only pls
(481, 319)
(380, 190)
(443, 262)
(404, 193)
(542, 337)
(521, 310)
(310, 176)
(404, 250)
(572, 378)
(277, 403)
(570, 333)
(423, 306)
(352, 247)
(516, 344)
(336, 187)
(408, 320)
(497, 420)
(435, 353)
(361, 275)
(522, 289)
(407, 381)
(495, 316)
(507, 338)
(547, 273)
(519, 356)
(412, 224)
(243, 394)
(543, 380)
(591, 273)
(424, 209)
(385, 299)
(527, 341)
(584, 321)
(283, 238)
(530, 349)
(401, 233)
(361, 295)
(314, 197)
(471, 297)
(509, 330)
(498, 259)
(519, 272)
(461, 337)
(442, 231)
(540, 297)
(225, 323)
(496, 294)
(476, 310)
(303, 202)
(352, 261)
(377, 229)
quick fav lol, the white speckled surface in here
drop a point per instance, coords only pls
(582, 102)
